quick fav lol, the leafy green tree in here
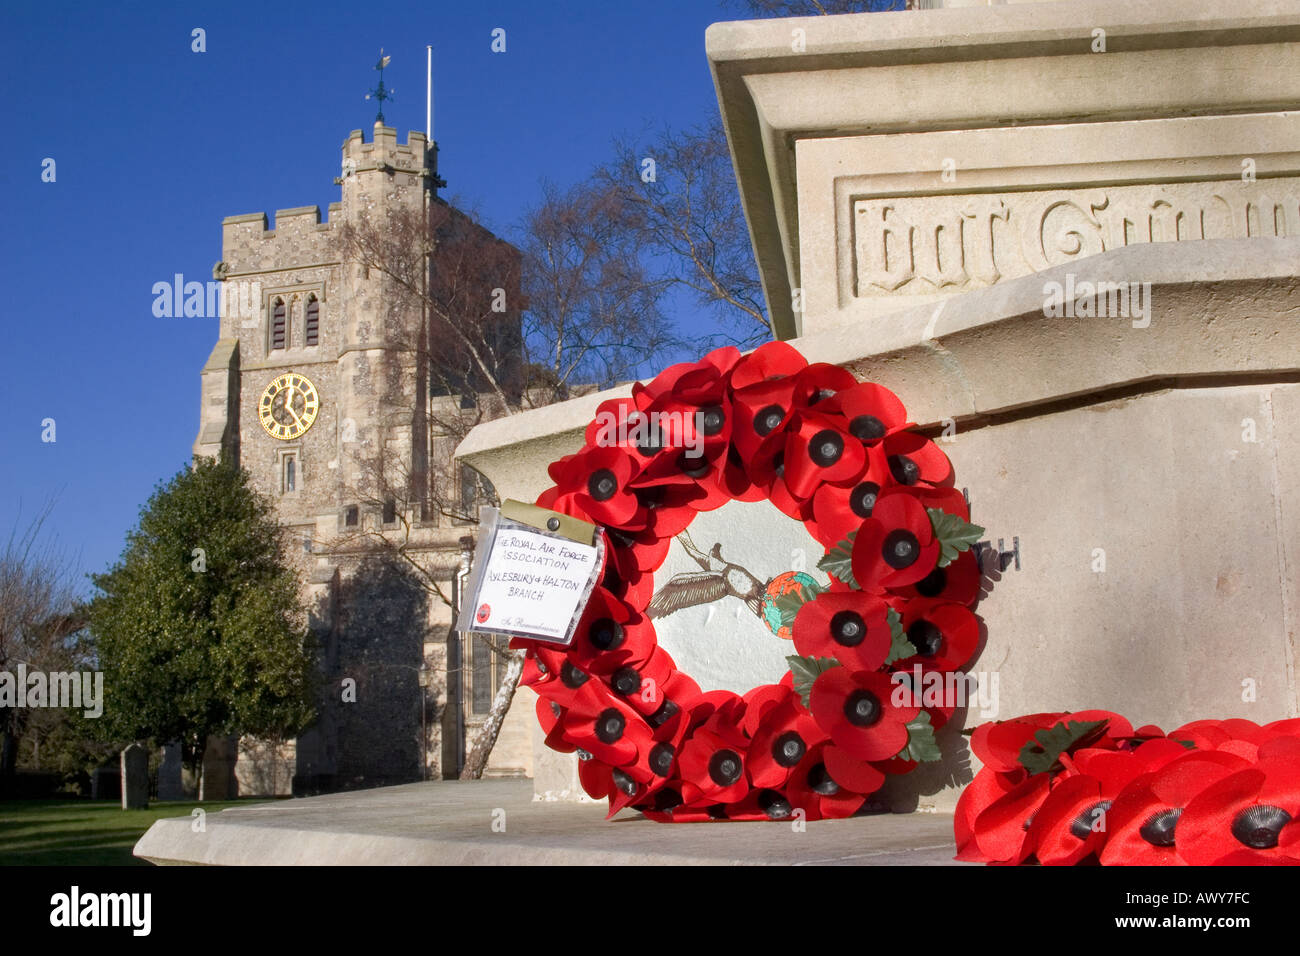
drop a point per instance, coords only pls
(199, 626)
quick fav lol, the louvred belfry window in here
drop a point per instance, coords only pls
(313, 321)
(278, 325)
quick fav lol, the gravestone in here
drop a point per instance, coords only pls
(170, 785)
(218, 781)
(105, 783)
(135, 777)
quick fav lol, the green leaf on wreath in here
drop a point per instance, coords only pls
(838, 561)
(788, 604)
(1043, 752)
(806, 670)
(921, 745)
(953, 534)
(899, 646)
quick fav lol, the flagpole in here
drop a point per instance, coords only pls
(428, 97)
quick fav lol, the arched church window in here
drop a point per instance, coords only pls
(279, 325)
(313, 321)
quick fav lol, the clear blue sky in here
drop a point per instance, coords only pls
(154, 144)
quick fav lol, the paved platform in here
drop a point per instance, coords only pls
(451, 823)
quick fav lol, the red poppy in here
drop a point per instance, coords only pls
(820, 382)
(670, 507)
(610, 635)
(724, 358)
(677, 699)
(896, 545)
(712, 766)
(633, 552)
(781, 742)
(839, 509)
(915, 460)
(870, 411)
(855, 708)
(604, 726)
(775, 360)
(1002, 830)
(822, 793)
(767, 472)
(817, 451)
(1243, 818)
(998, 744)
(598, 480)
(1144, 818)
(762, 412)
(638, 685)
(944, 633)
(986, 789)
(1073, 822)
(849, 626)
(959, 582)
(610, 425)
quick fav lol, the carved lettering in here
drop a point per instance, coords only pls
(919, 245)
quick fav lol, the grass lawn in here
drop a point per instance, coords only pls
(83, 832)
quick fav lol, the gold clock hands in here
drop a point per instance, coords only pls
(288, 404)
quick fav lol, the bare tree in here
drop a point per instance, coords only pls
(39, 613)
(680, 206)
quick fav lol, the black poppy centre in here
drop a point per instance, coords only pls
(602, 484)
(609, 726)
(605, 634)
(900, 549)
(862, 708)
(862, 499)
(848, 629)
(725, 767)
(788, 749)
(768, 418)
(825, 448)
(867, 428)
(1258, 827)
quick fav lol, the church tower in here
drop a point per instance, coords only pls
(319, 387)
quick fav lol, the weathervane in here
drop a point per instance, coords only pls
(380, 93)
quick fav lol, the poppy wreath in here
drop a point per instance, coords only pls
(1086, 788)
(837, 455)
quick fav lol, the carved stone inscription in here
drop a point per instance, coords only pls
(916, 245)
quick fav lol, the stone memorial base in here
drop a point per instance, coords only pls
(489, 822)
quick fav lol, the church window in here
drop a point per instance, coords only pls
(481, 689)
(352, 516)
(279, 325)
(290, 482)
(390, 511)
(475, 490)
(313, 321)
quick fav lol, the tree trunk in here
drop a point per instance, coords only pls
(478, 755)
(9, 754)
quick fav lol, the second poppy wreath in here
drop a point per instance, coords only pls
(841, 457)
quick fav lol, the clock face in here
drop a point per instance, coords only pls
(288, 406)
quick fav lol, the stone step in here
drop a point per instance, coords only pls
(451, 822)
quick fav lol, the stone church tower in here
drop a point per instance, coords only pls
(320, 388)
